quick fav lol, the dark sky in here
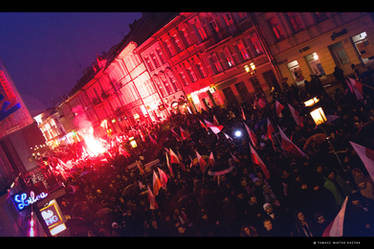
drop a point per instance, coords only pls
(46, 53)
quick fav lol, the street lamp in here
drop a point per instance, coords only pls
(318, 116)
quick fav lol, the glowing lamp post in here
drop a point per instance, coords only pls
(311, 102)
(133, 142)
(318, 116)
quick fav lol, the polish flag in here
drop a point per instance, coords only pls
(257, 160)
(156, 183)
(203, 164)
(173, 157)
(228, 137)
(203, 125)
(296, 116)
(235, 158)
(175, 134)
(335, 229)
(152, 199)
(355, 87)
(289, 146)
(367, 157)
(211, 159)
(278, 109)
(252, 135)
(243, 114)
(215, 120)
(138, 164)
(152, 139)
(270, 131)
(184, 134)
(215, 128)
(163, 178)
(168, 165)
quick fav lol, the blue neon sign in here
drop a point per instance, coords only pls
(21, 201)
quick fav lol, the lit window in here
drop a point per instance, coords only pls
(155, 61)
(160, 55)
(276, 28)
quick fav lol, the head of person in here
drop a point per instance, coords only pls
(268, 208)
(268, 225)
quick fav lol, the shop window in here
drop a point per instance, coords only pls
(276, 27)
(314, 64)
(363, 47)
(296, 72)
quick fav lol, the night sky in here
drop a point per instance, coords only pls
(46, 53)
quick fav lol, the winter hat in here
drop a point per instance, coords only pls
(266, 205)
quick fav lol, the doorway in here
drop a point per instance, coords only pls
(340, 57)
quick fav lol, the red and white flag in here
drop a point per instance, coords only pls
(252, 135)
(215, 128)
(298, 119)
(152, 199)
(278, 109)
(257, 160)
(173, 157)
(184, 134)
(168, 165)
(152, 139)
(156, 183)
(367, 157)
(289, 146)
(335, 229)
(163, 178)
(355, 87)
(228, 137)
(243, 114)
(203, 125)
(215, 120)
(140, 168)
(177, 137)
(211, 159)
(203, 164)
(270, 131)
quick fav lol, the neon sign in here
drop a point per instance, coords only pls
(22, 201)
(52, 217)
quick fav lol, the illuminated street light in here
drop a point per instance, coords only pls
(318, 116)
(238, 133)
(311, 102)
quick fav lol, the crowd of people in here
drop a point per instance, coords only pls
(301, 197)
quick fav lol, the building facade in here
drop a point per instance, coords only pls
(310, 43)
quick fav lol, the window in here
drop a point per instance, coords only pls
(191, 74)
(155, 61)
(229, 59)
(320, 16)
(200, 30)
(228, 19)
(295, 21)
(256, 44)
(214, 63)
(200, 69)
(160, 55)
(183, 78)
(166, 84)
(160, 87)
(178, 43)
(296, 73)
(173, 81)
(363, 47)
(243, 50)
(314, 64)
(149, 64)
(275, 26)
